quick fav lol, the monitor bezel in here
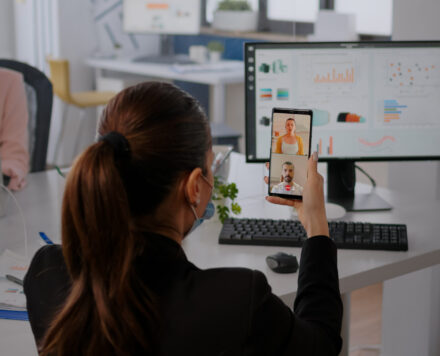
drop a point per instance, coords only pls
(323, 45)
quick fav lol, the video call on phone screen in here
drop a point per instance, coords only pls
(289, 153)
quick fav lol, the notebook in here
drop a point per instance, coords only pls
(12, 298)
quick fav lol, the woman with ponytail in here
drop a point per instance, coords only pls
(120, 283)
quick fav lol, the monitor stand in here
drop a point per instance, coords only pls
(167, 55)
(341, 181)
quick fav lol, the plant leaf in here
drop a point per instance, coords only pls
(236, 208)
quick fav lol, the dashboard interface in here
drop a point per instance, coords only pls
(369, 100)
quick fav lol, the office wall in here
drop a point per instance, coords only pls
(76, 39)
(416, 20)
(6, 29)
(234, 110)
(108, 24)
(35, 31)
(24, 25)
(89, 28)
(43, 28)
(75, 30)
(415, 332)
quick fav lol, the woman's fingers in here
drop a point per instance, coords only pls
(311, 211)
(280, 201)
(313, 164)
(266, 178)
(297, 204)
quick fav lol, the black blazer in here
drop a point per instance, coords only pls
(219, 311)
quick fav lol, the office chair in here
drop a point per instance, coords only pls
(39, 97)
(60, 77)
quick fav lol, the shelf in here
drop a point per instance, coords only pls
(266, 36)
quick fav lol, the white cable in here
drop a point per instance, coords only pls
(22, 218)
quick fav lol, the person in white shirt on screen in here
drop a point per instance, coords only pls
(287, 185)
(290, 143)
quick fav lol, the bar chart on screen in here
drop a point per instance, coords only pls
(393, 110)
(403, 112)
(326, 150)
(335, 76)
(333, 72)
(330, 76)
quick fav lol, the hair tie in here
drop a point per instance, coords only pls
(119, 143)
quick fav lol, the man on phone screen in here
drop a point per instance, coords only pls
(287, 185)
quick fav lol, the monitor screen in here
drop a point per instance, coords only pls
(162, 16)
(370, 101)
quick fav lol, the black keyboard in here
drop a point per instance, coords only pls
(346, 235)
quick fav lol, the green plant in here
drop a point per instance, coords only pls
(234, 5)
(215, 46)
(222, 192)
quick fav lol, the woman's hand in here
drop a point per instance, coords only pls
(311, 210)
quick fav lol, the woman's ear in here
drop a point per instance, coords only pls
(192, 186)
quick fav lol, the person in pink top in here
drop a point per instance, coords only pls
(14, 153)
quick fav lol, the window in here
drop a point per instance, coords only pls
(373, 17)
(293, 10)
(280, 16)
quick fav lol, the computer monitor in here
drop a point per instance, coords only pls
(371, 101)
(162, 16)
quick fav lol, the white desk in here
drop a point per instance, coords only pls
(41, 202)
(216, 80)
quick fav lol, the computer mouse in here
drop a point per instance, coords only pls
(282, 263)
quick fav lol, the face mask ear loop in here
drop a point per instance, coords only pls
(198, 200)
(192, 206)
(207, 181)
(194, 211)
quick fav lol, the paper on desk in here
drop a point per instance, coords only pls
(13, 264)
(11, 294)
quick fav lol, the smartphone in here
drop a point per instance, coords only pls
(290, 151)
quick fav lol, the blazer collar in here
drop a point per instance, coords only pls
(162, 246)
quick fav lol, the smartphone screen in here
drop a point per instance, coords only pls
(290, 151)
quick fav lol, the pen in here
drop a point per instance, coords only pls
(14, 279)
(46, 238)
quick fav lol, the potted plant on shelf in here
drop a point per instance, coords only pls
(215, 49)
(235, 15)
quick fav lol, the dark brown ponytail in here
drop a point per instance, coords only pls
(110, 311)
